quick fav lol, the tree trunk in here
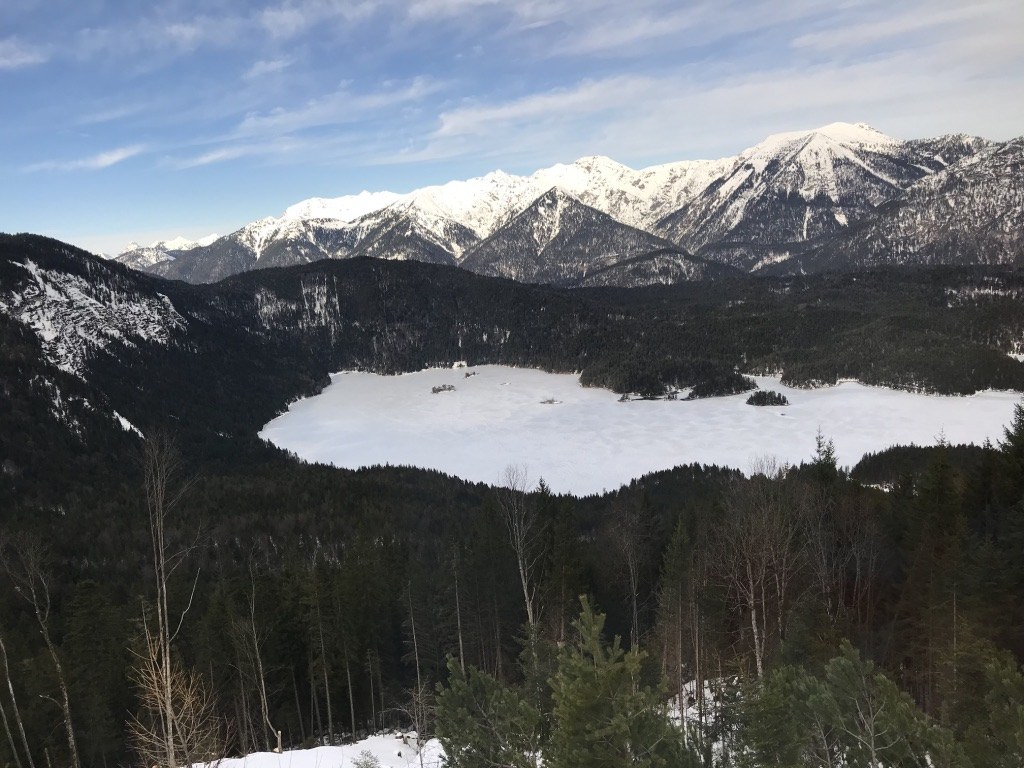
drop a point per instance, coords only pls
(458, 618)
(323, 658)
(64, 700)
(634, 596)
(380, 687)
(298, 706)
(314, 704)
(415, 644)
(327, 693)
(14, 706)
(257, 662)
(10, 736)
(242, 716)
(497, 641)
(758, 652)
(373, 703)
(680, 681)
(351, 697)
(27, 571)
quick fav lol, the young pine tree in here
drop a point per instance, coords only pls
(605, 716)
(483, 722)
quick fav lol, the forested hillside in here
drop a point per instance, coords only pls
(324, 602)
(339, 596)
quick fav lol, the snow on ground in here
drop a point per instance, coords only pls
(389, 749)
(587, 441)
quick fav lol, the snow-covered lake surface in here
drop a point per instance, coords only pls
(583, 440)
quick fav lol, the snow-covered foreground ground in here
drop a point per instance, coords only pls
(586, 441)
(389, 749)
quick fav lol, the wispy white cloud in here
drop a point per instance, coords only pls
(341, 118)
(432, 9)
(93, 163)
(155, 35)
(584, 99)
(265, 67)
(15, 54)
(340, 107)
(644, 29)
(911, 26)
(285, 151)
(220, 155)
(112, 114)
(628, 33)
(295, 17)
(691, 111)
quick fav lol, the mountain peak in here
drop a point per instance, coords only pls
(345, 208)
(855, 135)
(180, 243)
(594, 162)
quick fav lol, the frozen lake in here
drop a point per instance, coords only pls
(586, 441)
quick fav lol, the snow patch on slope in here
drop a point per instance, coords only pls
(551, 209)
(74, 318)
(126, 425)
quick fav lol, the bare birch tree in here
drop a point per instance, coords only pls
(631, 536)
(177, 702)
(249, 642)
(198, 733)
(23, 560)
(760, 553)
(525, 535)
(15, 712)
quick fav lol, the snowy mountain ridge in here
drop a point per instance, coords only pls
(482, 204)
(757, 209)
(75, 317)
(143, 256)
(972, 212)
(560, 240)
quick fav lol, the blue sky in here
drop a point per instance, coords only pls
(133, 120)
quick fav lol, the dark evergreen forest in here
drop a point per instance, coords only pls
(875, 613)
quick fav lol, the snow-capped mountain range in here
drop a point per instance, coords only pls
(142, 256)
(596, 221)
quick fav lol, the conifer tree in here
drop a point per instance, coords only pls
(97, 665)
(1011, 484)
(851, 715)
(997, 741)
(929, 604)
(483, 723)
(606, 716)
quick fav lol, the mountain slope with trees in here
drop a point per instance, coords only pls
(324, 603)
